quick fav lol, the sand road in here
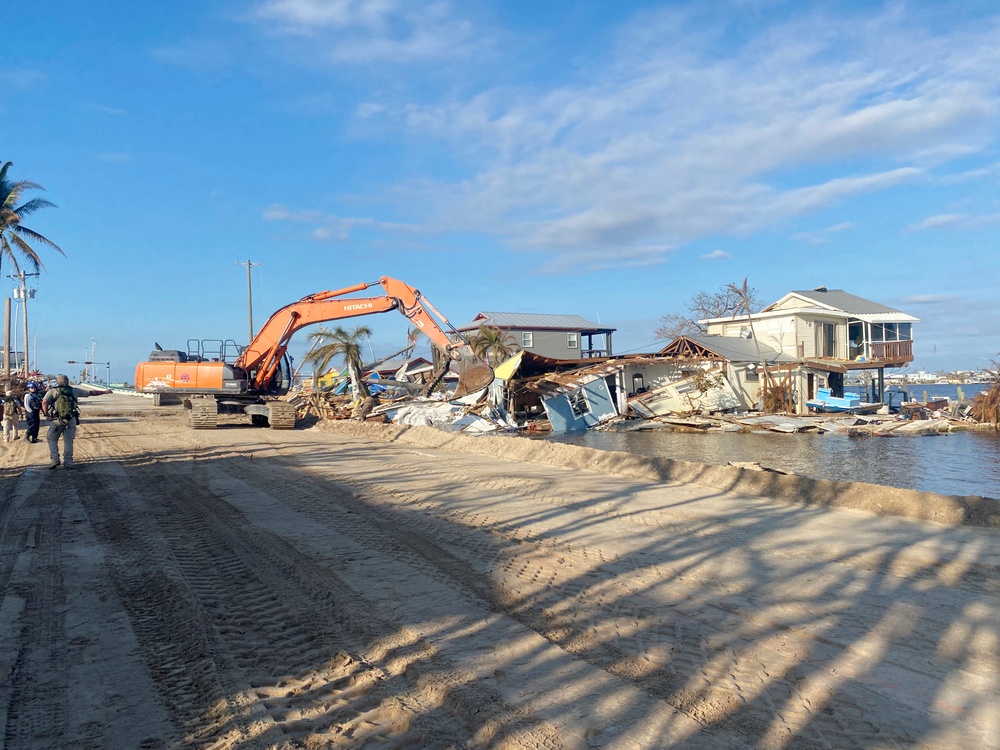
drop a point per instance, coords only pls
(349, 586)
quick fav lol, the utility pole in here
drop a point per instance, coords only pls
(24, 293)
(249, 265)
(6, 339)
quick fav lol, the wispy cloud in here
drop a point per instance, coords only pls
(991, 170)
(822, 236)
(955, 221)
(813, 197)
(369, 31)
(682, 129)
(670, 143)
(928, 299)
(330, 228)
(716, 255)
(22, 79)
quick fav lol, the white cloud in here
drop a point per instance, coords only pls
(304, 16)
(941, 220)
(822, 236)
(813, 197)
(716, 255)
(669, 143)
(990, 170)
(330, 227)
(928, 299)
(369, 31)
(682, 129)
(955, 221)
(24, 79)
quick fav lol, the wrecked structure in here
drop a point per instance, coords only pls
(782, 369)
(829, 334)
(695, 384)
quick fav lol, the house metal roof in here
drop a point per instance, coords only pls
(832, 302)
(534, 322)
(838, 299)
(737, 349)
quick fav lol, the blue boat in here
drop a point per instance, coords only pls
(826, 402)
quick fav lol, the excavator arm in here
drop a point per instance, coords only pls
(264, 353)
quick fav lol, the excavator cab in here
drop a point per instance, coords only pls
(282, 381)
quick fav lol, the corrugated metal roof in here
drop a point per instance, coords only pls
(737, 349)
(832, 302)
(838, 299)
(534, 322)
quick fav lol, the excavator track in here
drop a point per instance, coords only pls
(204, 414)
(281, 415)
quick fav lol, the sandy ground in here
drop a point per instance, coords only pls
(355, 587)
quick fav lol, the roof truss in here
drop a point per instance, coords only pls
(685, 348)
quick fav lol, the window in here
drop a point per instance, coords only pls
(578, 403)
(527, 339)
(825, 339)
(855, 340)
(891, 332)
(573, 340)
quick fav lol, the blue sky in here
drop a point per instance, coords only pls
(602, 159)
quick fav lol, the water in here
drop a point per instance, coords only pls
(957, 463)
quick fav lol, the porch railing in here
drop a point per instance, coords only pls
(892, 351)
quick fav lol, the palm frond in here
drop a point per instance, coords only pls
(14, 236)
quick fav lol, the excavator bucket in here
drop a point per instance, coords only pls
(473, 375)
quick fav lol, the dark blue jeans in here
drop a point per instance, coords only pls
(33, 423)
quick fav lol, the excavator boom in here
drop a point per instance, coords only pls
(264, 353)
(261, 373)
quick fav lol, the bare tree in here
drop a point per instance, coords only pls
(728, 301)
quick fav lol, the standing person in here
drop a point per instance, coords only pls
(32, 412)
(11, 414)
(60, 406)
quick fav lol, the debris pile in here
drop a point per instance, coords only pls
(985, 407)
(648, 392)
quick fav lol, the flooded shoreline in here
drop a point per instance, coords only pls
(960, 463)
(957, 463)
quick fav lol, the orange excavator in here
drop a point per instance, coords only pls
(261, 372)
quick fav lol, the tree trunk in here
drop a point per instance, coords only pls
(359, 382)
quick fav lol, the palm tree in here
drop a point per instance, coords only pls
(14, 235)
(341, 343)
(493, 344)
